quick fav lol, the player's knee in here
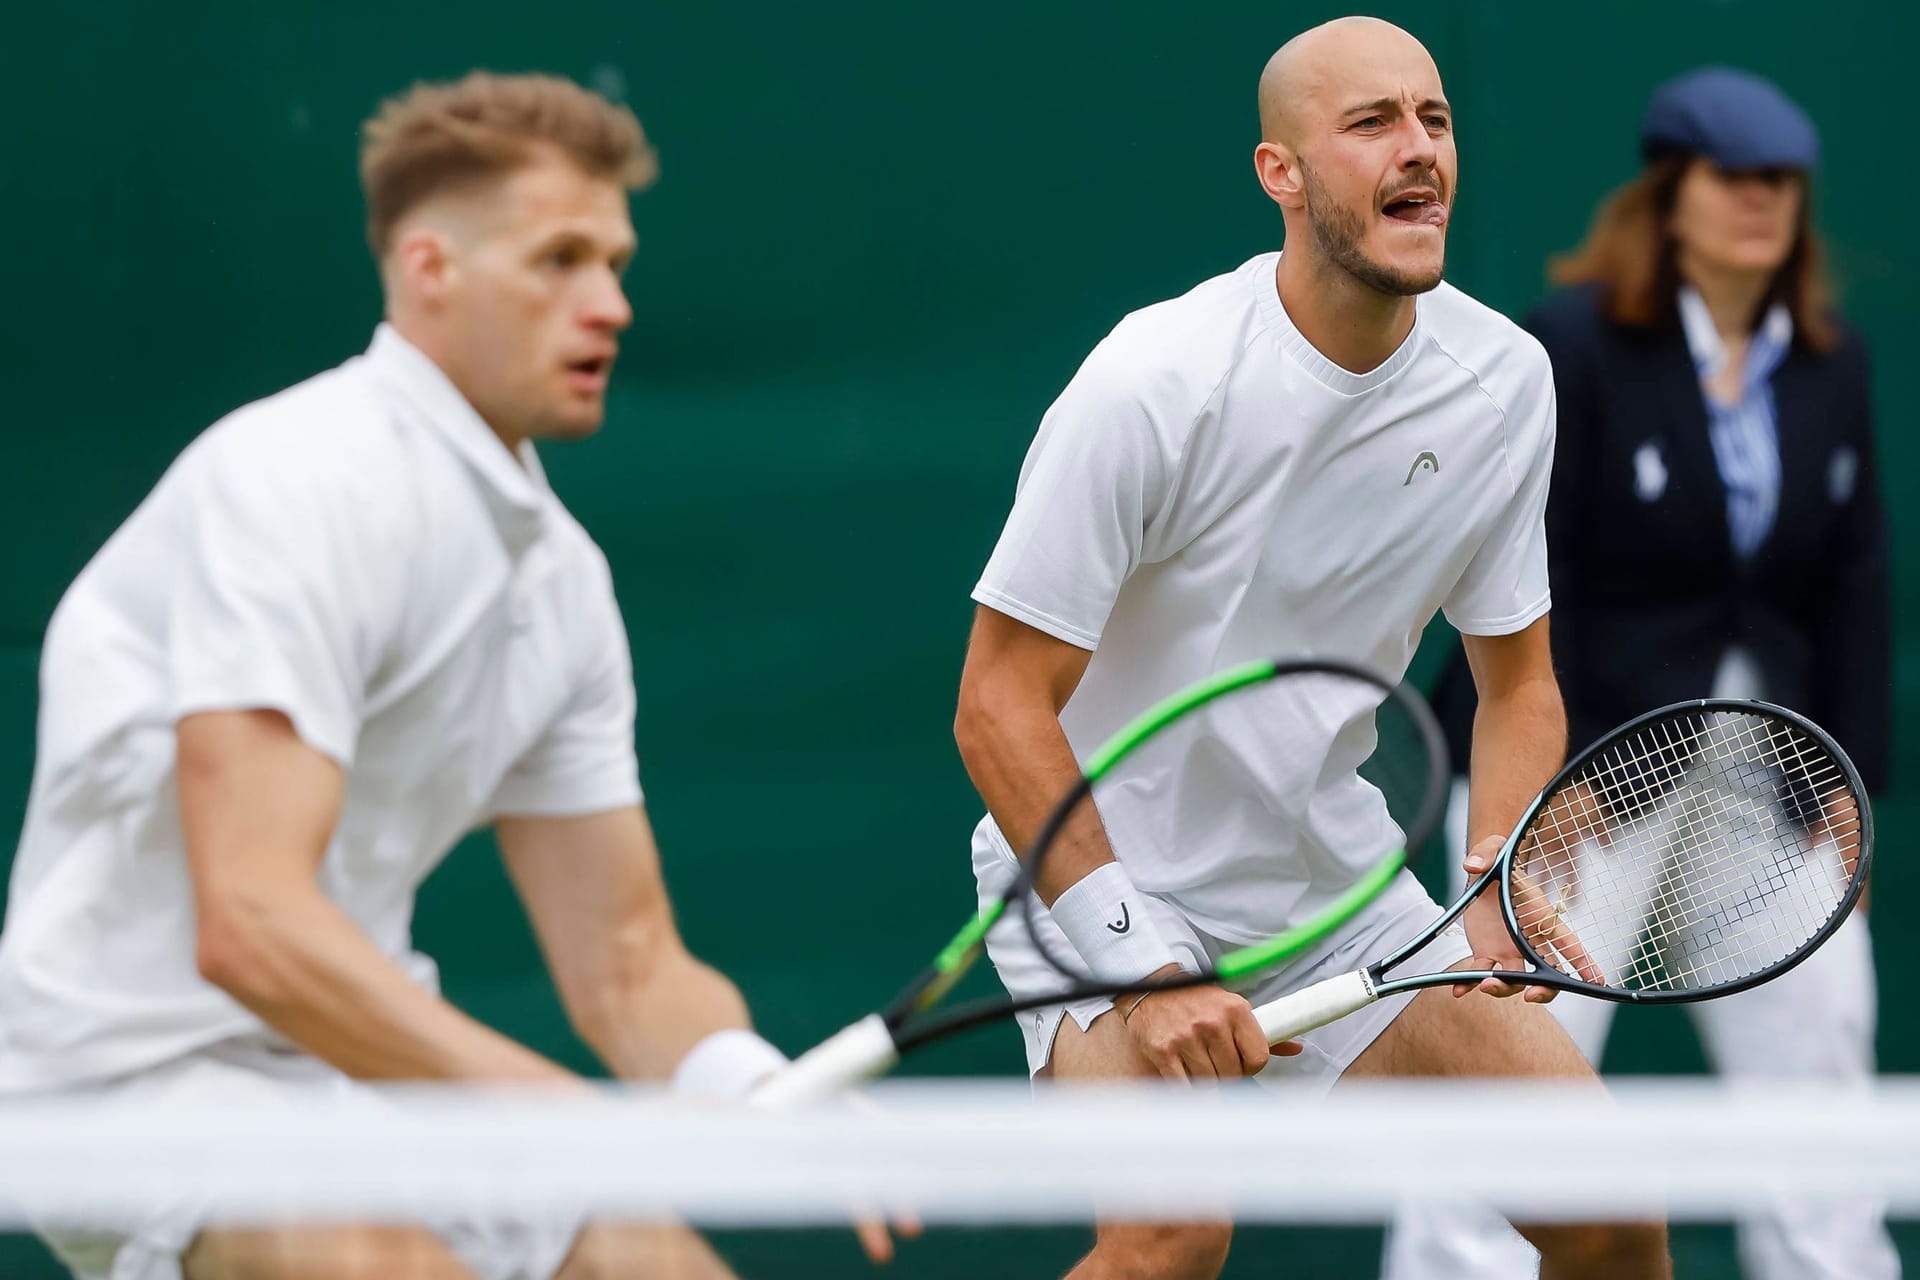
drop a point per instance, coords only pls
(1602, 1251)
(620, 1251)
(1184, 1251)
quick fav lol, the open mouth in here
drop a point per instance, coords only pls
(1416, 209)
(589, 376)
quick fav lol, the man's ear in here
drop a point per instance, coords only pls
(422, 264)
(1279, 171)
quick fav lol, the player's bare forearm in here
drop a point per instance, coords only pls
(592, 887)
(1008, 730)
(312, 975)
(649, 1018)
(1016, 681)
(1519, 742)
(1519, 730)
(257, 808)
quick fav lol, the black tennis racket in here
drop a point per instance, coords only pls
(1406, 760)
(1696, 851)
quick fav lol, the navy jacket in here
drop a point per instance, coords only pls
(1647, 593)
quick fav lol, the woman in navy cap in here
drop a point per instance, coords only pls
(1715, 528)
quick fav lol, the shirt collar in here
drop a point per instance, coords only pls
(517, 493)
(1709, 353)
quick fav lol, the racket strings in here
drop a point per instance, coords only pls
(1703, 849)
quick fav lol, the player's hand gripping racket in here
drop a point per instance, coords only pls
(1408, 764)
(1693, 852)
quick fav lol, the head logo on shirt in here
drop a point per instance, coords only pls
(1426, 460)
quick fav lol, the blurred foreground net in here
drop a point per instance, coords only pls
(504, 1179)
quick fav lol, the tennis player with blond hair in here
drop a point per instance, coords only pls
(1313, 453)
(349, 625)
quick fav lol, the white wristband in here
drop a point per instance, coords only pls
(727, 1064)
(1104, 917)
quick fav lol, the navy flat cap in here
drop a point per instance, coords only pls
(1734, 118)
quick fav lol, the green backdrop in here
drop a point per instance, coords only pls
(884, 237)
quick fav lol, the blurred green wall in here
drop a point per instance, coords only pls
(884, 237)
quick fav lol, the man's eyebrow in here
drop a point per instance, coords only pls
(1388, 106)
(572, 236)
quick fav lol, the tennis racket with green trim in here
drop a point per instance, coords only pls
(1408, 765)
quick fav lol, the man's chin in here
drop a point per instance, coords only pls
(576, 423)
(1425, 280)
(1403, 279)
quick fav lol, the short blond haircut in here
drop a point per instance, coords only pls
(441, 137)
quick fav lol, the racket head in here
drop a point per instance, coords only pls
(1404, 759)
(1697, 850)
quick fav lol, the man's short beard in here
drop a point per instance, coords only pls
(1338, 232)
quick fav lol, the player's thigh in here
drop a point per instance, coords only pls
(1102, 1050)
(1475, 1035)
(1165, 1251)
(635, 1251)
(321, 1253)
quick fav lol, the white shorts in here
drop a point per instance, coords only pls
(148, 1244)
(1400, 913)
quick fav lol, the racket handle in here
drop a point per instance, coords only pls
(860, 1052)
(1315, 1006)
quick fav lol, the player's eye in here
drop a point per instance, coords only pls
(1371, 122)
(1438, 123)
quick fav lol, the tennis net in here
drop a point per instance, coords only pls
(954, 1154)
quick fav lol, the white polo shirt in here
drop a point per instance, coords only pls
(1210, 489)
(362, 553)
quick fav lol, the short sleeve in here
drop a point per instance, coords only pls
(1093, 481)
(273, 602)
(585, 761)
(1504, 588)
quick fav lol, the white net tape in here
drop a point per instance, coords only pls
(971, 1153)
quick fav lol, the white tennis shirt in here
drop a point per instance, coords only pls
(1211, 489)
(362, 553)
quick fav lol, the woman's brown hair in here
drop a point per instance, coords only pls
(1630, 253)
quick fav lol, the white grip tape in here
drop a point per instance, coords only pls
(1316, 1006)
(860, 1052)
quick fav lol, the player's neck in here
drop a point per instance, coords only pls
(430, 343)
(1354, 326)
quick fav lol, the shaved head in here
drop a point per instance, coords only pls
(1357, 150)
(1308, 70)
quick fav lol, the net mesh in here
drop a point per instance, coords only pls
(458, 1183)
(1700, 850)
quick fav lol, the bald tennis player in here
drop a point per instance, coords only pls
(1312, 453)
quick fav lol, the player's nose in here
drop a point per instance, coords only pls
(1417, 147)
(607, 307)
